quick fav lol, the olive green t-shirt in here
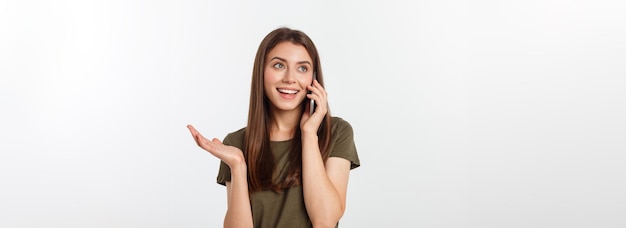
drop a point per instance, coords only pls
(287, 209)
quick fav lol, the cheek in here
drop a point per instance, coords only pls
(269, 76)
(269, 79)
(306, 81)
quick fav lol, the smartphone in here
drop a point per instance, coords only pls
(311, 101)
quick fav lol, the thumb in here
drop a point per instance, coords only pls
(216, 140)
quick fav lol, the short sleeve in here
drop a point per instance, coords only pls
(342, 144)
(224, 174)
(233, 139)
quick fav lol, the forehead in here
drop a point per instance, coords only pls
(290, 52)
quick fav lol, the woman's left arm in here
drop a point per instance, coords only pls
(324, 184)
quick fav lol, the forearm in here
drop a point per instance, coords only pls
(239, 213)
(322, 200)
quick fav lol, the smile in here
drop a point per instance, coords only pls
(287, 91)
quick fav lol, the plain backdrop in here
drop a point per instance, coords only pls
(465, 113)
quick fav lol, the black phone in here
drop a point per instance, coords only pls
(311, 101)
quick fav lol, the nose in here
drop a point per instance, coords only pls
(289, 77)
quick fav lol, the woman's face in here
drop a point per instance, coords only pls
(288, 72)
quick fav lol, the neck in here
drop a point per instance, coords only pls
(284, 124)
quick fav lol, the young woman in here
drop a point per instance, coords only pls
(289, 167)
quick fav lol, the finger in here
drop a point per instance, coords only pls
(194, 132)
(192, 129)
(319, 98)
(320, 101)
(316, 83)
(314, 97)
(321, 88)
(321, 104)
(201, 141)
(217, 141)
(314, 90)
(307, 109)
(317, 89)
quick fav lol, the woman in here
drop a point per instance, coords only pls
(289, 167)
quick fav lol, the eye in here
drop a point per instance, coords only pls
(279, 65)
(303, 69)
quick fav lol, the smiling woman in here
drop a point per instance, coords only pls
(289, 166)
(287, 76)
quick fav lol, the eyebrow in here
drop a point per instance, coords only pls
(284, 60)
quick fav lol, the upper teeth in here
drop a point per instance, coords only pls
(287, 91)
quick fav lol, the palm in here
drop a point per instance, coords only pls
(229, 154)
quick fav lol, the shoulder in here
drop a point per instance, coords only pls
(340, 126)
(237, 133)
(235, 138)
(341, 131)
(342, 142)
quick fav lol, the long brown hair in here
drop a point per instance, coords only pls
(259, 158)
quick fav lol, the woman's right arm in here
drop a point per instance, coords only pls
(239, 213)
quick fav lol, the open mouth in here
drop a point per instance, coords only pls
(287, 91)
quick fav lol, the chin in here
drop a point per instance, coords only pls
(289, 107)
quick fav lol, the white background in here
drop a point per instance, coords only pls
(466, 113)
